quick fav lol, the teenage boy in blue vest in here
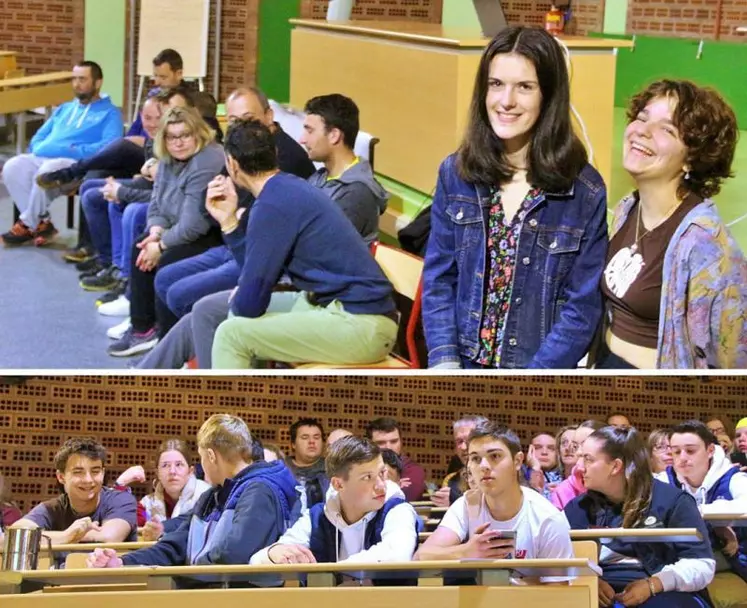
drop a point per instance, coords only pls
(702, 469)
(248, 508)
(365, 518)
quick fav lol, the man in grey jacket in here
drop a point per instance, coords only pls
(329, 133)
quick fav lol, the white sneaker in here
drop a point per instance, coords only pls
(116, 308)
(118, 331)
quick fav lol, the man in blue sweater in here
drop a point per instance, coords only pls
(343, 311)
(248, 508)
(76, 130)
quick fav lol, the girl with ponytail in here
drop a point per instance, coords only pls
(621, 492)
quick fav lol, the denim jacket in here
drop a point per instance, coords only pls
(556, 302)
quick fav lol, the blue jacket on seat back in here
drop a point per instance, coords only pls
(556, 303)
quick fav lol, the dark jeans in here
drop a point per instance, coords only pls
(181, 284)
(606, 359)
(141, 285)
(121, 158)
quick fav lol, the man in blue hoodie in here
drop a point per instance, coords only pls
(76, 130)
(248, 508)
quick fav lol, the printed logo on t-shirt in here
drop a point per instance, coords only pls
(520, 554)
(622, 271)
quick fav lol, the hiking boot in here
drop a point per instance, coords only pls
(78, 255)
(19, 234)
(133, 343)
(104, 280)
(62, 179)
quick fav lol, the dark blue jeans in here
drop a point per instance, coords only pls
(121, 158)
(181, 284)
(126, 224)
(96, 210)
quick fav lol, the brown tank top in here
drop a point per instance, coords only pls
(632, 278)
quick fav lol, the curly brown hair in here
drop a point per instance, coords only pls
(707, 126)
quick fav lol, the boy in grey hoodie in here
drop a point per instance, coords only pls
(330, 129)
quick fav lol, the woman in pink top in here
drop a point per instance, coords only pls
(573, 485)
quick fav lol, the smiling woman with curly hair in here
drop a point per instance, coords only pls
(675, 282)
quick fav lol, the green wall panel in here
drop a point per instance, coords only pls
(273, 53)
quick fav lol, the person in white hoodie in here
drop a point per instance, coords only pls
(176, 488)
(364, 518)
(76, 130)
(702, 469)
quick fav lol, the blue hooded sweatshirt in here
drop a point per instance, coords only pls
(230, 523)
(78, 130)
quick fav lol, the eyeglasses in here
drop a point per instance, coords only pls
(183, 137)
(662, 448)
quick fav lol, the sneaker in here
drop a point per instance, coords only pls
(133, 343)
(119, 290)
(116, 308)
(104, 280)
(119, 330)
(78, 255)
(19, 234)
(63, 178)
(92, 271)
(87, 265)
(45, 228)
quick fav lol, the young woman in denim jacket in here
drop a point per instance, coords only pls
(675, 282)
(519, 233)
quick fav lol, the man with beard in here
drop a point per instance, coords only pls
(77, 129)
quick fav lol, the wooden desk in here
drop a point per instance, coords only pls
(18, 95)
(636, 535)
(731, 520)
(490, 573)
(361, 597)
(413, 84)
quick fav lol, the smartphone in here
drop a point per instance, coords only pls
(739, 458)
(504, 534)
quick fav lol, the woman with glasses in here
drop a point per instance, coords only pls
(178, 226)
(660, 455)
(175, 488)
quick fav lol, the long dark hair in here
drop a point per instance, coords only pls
(556, 154)
(628, 445)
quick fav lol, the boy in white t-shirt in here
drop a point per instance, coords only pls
(471, 527)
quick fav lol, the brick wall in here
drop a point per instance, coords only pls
(132, 415)
(587, 15)
(46, 34)
(240, 23)
(397, 10)
(686, 18)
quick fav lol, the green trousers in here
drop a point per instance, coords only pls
(299, 332)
